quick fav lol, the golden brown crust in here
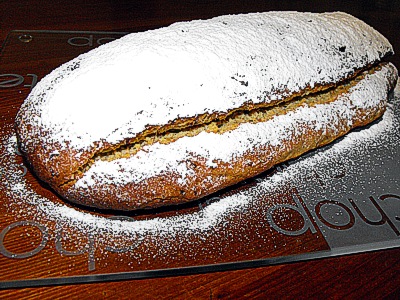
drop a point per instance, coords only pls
(69, 163)
(186, 87)
(168, 190)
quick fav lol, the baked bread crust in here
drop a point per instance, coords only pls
(309, 126)
(234, 79)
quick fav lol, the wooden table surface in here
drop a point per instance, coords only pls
(367, 275)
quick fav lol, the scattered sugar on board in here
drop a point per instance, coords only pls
(25, 203)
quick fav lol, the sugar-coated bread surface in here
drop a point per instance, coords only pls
(170, 115)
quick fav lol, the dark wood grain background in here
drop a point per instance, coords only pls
(368, 275)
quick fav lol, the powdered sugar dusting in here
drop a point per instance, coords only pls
(159, 158)
(258, 57)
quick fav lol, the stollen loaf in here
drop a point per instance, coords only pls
(174, 114)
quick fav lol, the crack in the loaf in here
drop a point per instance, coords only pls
(215, 123)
